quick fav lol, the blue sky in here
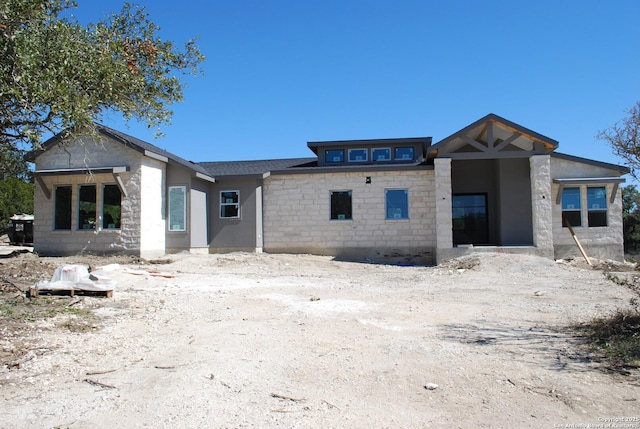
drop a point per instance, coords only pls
(281, 73)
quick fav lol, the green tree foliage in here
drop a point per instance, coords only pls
(57, 75)
(631, 218)
(624, 139)
(16, 197)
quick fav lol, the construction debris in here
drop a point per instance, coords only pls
(75, 280)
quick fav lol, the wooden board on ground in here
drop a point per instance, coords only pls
(35, 292)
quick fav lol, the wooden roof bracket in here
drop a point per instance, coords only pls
(116, 175)
(44, 187)
(589, 181)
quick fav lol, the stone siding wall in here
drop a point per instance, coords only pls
(139, 183)
(297, 216)
(599, 242)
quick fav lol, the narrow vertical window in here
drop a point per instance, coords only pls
(87, 207)
(397, 203)
(597, 206)
(111, 207)
(230, 204)
(177, 208)
(62, 210)
(571, 207)
(341, 208)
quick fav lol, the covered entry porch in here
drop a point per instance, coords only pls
(494, 187)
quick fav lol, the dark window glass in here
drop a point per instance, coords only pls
(334, 155)
(404, 153)
(397, 203)
(571, 207)
(597, 206)
(230, 204)
(470, 221)
(341, 205)
(62, 215)
(357, 155)
(111, 207)
(381, 154)
(87, 207)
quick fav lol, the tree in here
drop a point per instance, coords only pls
(624, 139)
(631, 218)
(16, 197)
(59, 76)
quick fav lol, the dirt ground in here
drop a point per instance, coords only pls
(299, 341)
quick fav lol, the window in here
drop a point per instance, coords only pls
(357, 155)
(571, 207)
(404, 153)
(177, 208)
(62, 210)
(381, 154)
(111, 207)
(230, 204)
(397, 203)
(470, 220)
(597, 206)
(334, 155)
(341, 205)
(87, 207)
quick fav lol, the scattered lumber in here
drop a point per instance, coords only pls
(34, 292)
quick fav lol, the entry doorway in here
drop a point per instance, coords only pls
(470, 219)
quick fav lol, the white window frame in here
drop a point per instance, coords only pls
(225, 204)
(366, 155)
(178, 227)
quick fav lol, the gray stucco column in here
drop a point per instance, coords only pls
(541, 203)
(444, 233)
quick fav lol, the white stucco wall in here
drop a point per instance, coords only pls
(297, 216)
(601, 242)
(151, 204)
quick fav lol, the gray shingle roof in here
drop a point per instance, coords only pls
(253, 168)
(141, 146)
(135, 144)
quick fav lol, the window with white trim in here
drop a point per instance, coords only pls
(230, 204)
(177, 208)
